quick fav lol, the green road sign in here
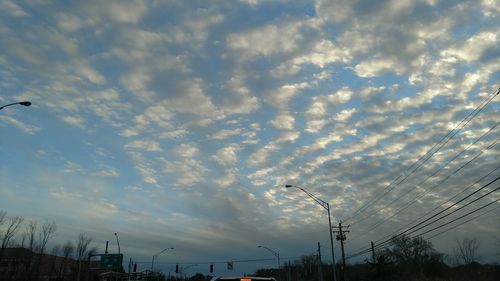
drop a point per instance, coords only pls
(109, 261)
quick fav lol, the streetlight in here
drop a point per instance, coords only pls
(154, 256)
(117, 242)
(326, 206)
(25, 103)
(185, 268)
(277, 255)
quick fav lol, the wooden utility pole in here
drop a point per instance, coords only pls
(341, 237)
(320, 264)
(373, 253)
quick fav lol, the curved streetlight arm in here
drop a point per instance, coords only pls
(161, 252)
(314, 197)
(327, 208)
(25, 103)
(156, 255)
(273, 252)
(184, 268)
(117, 242)
(277, 255)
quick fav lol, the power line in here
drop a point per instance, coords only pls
(448, 201)
(429, 153)
(421, 195)
(454, 220)
(464, 222)
(388, 241)
(418, 224)
(435, 173)
(456, 210)
(367, 250)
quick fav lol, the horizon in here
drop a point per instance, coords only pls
(178, 124)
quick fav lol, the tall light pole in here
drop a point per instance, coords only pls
(117, 242)
(326, 206)
(154, 256)
(277, 255)
(25, 103)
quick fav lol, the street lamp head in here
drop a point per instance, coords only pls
(259, 246)
(288, 185)
(25, 103)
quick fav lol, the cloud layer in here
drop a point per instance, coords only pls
(179, 123)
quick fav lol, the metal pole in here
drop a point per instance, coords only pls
(279, 268)
(331, 241)
(117, 242)
(373, 252)
(320, 269)
(25, 103)
(152, 264)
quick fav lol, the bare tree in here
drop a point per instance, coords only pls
(411, 253)
(498, 243)
(30, 234)
(54, 256)
(46, 232)
(67, 249)
(82, 251)
(3, 217)
(12, 226)
(466, 250)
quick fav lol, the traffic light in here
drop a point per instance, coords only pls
(176, 268)
(211, 268)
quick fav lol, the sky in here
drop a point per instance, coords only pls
(179, 123)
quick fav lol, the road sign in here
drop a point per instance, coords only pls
(110, 261)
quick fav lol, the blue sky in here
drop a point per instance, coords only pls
(178, 123)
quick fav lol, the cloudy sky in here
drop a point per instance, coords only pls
(178, 123)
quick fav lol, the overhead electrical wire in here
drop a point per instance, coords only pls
(388, 241)
(435, 173)
(462, 223)
(428, 154)
(406, 205)
(448, 201)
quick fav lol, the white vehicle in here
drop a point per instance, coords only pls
(248, 278)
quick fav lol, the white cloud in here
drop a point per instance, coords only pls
(13, 9)
(283, 121)
(323, 53)
(475, 47)
(282, 96)
(267, 40)
(69, 22)
(187, 150)
(376, 67)
(145, 168)
(224, 134)
(240, 99)
(228, 179)
(74, 121)
(227, 156)
(145, 145)
(28, 129)
(119, 11)
(107, 172)
(188, 171)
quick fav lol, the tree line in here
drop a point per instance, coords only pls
(28, 242)
(408, 259)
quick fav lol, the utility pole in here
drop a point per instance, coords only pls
(320, 266)
(373, 253)
(341, 237)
